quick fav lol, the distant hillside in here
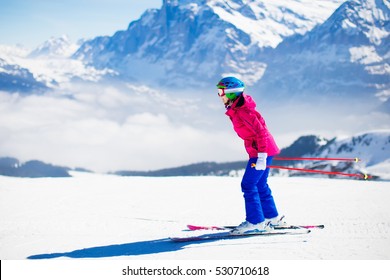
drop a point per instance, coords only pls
(32, 169)
(197, 169)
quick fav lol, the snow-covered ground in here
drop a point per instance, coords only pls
(95, 216)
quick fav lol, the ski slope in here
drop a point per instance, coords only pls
(95, 216)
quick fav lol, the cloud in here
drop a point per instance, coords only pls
(109, 129)
(131, 127)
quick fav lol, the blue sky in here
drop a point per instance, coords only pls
(31, 22)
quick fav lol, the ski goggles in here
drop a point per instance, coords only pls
(221, 92)
(224, 91)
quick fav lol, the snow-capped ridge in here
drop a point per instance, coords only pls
(203, 39)
(49, 66)
(371, 147)
(55, 47)
(363, 20)
(346, 55)
(362, 153)
(14, 78)
(322, 47)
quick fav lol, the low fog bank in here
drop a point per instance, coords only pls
(133, 127)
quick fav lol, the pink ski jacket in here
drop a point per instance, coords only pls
(250, 126)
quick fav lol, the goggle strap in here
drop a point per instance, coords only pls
(232, 90)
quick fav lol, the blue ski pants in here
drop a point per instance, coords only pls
(259, 202)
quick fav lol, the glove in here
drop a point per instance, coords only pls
(261, 163)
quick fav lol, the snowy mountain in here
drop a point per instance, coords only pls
(285, 48)
(49, 66)
(55, 47)
(347, 55)
(13, 77)
(198, 41)
(372, 148)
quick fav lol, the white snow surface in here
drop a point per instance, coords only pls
(95, 216)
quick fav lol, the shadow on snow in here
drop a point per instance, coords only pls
(129, 249)
(134, 249)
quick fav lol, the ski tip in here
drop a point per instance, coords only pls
(192, 227)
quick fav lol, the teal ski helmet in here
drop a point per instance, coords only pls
(231, 87)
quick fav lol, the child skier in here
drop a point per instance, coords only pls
(260, 208)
